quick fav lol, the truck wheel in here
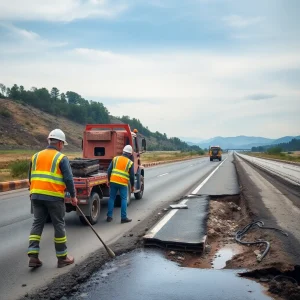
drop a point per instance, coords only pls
(139, 195)
(220, 158)
(94, 210)
(211, 159)
(118, 198)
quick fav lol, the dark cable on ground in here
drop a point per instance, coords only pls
(240, 235)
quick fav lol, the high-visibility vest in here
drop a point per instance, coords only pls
(46, 177)
(120, 171)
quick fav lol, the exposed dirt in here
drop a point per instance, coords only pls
(227, 217)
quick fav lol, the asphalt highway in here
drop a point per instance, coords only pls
(162, 184)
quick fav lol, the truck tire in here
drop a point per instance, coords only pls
(118, 198)
(94, 210)
(139, 195)
(211, 159)
(220, 158)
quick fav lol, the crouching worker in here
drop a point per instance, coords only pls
(49, 175)
(120, 172)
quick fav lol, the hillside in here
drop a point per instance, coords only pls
(25, 127)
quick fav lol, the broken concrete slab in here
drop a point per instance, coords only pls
(182, 229)
(178, 206)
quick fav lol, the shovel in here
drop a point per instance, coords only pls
(109, 251)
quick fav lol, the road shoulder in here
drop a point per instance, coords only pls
(274, 206)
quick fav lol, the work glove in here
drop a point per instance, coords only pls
(74, 201)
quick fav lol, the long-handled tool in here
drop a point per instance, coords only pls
(109, 251)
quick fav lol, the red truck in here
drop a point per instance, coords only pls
(100, 144)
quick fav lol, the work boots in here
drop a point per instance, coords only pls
(126, 220)
(63, 262)
(34, 262)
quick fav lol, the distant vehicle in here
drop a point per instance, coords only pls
(215, 152)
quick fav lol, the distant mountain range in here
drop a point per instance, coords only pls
(242, 142)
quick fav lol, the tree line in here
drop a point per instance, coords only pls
(74, 107)
(293, 145)
(70, 104)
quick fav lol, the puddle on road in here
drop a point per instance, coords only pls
(223, 255)
(147, 274)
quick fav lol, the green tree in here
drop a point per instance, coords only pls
(54, 94)
(73, 98)
(3, 89)
(63, 98)
(14, 92)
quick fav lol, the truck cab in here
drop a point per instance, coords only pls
(105, 141)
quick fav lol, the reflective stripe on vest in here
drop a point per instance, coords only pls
(120, 171)
(46, 177)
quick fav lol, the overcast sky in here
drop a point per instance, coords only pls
(187, 68)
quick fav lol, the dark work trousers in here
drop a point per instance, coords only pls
(56, 210)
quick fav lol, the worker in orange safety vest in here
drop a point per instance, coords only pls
(49, 176)
(120, 173)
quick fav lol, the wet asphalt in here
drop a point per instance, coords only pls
(147, 274)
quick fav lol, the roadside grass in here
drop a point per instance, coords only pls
(293, 157)
(5, 175)
(19, 168)
(14, 164)
(153, 156)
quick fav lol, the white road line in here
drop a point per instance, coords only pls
(207, 178)
(163, 175)
(191, 165)
(161, 223)
(167, 217)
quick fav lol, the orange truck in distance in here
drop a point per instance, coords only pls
(100, 144)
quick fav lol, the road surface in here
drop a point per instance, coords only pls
(274, 199)
(162, 184)
(287, 171)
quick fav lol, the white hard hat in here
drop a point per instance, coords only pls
(127, 149)
(58, 135)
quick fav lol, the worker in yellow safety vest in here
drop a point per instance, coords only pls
(49, 176)
(120, 173)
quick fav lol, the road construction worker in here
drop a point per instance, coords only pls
(49, 176)
(120, 172)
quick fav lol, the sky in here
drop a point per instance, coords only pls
(193, 69)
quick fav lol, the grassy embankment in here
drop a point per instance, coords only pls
(14, 163)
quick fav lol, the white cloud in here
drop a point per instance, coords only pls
(241, 22)
(21, 41)
(190, 89)
(19, 32)
(59, 10)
